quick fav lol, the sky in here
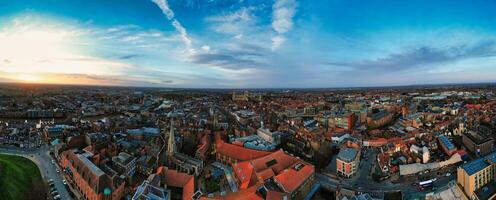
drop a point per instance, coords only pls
(248, 43)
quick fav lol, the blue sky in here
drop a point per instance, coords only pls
(248, 43)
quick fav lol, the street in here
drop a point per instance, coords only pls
(42, 159)
(362, 182)
(370, 186)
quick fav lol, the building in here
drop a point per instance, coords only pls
(240, 97)
(478, 143)
(180, 161)
(446, 145)
(267, 135)
(345, 121)
(278, 175)
(90, 180)
(487, 192)
(380, 118)
(145, 164)
(245, 96)
(476, 174)
(425, 155)
(340, 137)
(147, 191)
(50, 132)
(181, 185)
(415, 149)
(253, 142)
(125, 164)
(166, 184)
(309, 111)
(228, 153)
(347, 162)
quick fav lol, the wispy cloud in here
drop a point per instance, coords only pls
(423, 56)
(223, 60)
(234, 23)
(164, 6)
(283, 12)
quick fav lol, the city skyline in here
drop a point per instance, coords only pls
(247, 44)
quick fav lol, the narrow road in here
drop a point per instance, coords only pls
(373, 187)
(44, 162)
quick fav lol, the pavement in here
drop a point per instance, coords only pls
(43, 160)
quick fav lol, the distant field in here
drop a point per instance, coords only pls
(19, 178)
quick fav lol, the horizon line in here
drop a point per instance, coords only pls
(247, 88)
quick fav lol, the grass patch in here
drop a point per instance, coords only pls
(20, 178)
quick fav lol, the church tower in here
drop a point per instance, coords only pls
(171, 144)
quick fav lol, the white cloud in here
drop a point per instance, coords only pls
(277, 41)
(234, 23)
(164, 6)
(238, 36)
(182, 32)
(283, 12)
(206, 48)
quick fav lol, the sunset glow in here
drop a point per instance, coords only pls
(49, 53)
(31, 78)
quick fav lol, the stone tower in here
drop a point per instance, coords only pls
(171, 144)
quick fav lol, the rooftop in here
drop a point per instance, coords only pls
(237, 152)
(486, 192)
(477, 137)
(480, 163)
(147, 191)
(97, 171)
(347, 154)
(446, 142)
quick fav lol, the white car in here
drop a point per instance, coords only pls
(448, 174)
(64, 182)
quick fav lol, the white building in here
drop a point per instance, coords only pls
(415, 149)
(339, 138)
(425, 155)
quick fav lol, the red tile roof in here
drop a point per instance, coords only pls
(281, 167)
(292, 179)
(244, 172)
(282, 161)
(237, 152)
(273, 195)
(177, 179)
(246, 194)
(257, 166)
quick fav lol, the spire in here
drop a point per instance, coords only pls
(171, 146)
